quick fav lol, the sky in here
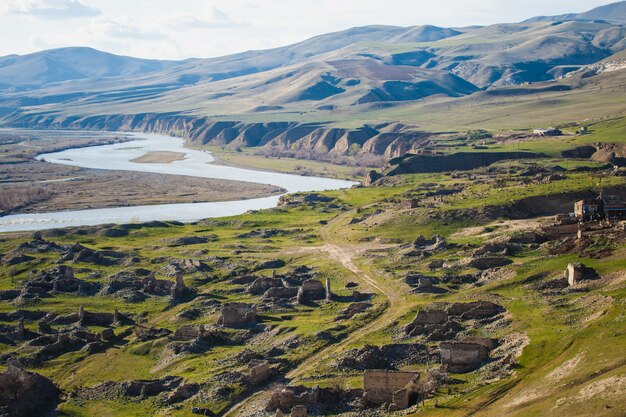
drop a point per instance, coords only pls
(179, 29)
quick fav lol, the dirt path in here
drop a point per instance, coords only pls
(343, 253)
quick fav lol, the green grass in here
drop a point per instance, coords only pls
(554, 323)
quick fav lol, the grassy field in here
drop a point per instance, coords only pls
(247, 158)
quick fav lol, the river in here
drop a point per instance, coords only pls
(196, 163)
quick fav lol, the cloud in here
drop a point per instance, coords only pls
(48, 9)
(124, 27)
(209, 18)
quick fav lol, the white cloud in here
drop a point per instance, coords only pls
(209, 18)
(48, 9)
(203, 28)
(124, 27)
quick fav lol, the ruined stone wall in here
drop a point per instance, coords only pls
(461, 357)
(379, 386)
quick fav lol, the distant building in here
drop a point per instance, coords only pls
(587, 209)
(551, 131)
(612, 207)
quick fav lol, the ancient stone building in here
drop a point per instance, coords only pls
(463, 357)
(311, 289)
(237, 314)
(282, 292)
(396, 388)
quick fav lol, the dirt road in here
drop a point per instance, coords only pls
(344, 253)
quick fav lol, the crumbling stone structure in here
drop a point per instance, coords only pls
(263, 284)
(489, 262)
(179, 289)
(577, 272)
(396, 388)
(259, 371)
(324, 400)
(281, 292)
(311, 289)
(463, 357)
(436, 324)
(237, 314)
(475, 310)
(299, 411)
(187, 333)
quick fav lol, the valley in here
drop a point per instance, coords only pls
(379, 221)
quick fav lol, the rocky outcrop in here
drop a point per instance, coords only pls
(388, 139)
(462, 161)
(26, 394)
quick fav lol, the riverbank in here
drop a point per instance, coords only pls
(40, 187)
(157, 191)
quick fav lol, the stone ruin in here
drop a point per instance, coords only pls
(441, 324)
(322, 400)
(26, 394)
(424, 247)
(489, 262)
(259, 371)
(135, 285)
(237, 314)
(466, 355)
(576, 272)
(434, 324)
(311, 290)
(395, 389)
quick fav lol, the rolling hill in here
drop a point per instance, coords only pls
(343, 80)
(613, 13)
(66, 64)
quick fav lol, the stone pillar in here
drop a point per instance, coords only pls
(581, 229)
(179, 287)
(117, 317)
(329, 294)
(81, 315)
(21, 330)
(574, 274)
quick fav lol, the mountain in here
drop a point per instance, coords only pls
(612, 13)
(66, 64)
(334, 79)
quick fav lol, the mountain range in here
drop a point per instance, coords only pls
(353, 71)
